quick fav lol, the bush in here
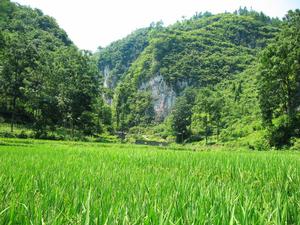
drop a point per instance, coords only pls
(279, 136)
(107, 139)
(8, 134)
(22, 135)
(41, 135)
(261, 145)
(60, 137)
(295, 144)
(87, 123)
(194, 138)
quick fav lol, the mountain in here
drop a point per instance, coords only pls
(115, 60)
(198, 52)
(23, 20)
(227, 78)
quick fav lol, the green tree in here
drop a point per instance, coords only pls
(20, 58)
(78, 85)
(182, 115)
(279, 82)
(207, 112)
(104, 115)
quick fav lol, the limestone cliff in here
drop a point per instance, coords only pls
(163, 96)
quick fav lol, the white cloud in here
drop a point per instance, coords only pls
(93, 23)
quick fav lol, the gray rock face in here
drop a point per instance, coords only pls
(163, 96)
(110, 80)
(107, 83)
(106, 80)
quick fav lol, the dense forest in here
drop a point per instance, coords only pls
(211, 79)
(45, 82)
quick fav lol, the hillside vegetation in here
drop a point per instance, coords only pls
(228, 78)
(195, 53)
(45, 81)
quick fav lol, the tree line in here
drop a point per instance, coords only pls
(45, 81)
(271, 96)
(241, 70)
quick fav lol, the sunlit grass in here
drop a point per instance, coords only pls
(51, 182)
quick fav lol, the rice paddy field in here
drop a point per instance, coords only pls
(51, 182)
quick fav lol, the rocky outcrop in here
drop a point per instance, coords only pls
(110, 83)
(109, 79)
(106, 77)
(163, 96)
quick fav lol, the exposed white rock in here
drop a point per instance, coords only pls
(107, 83)
(163, 96)
(106, 74)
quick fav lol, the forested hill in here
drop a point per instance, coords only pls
(115, 60)
(45, 81)
(21, 20)
(227, 78)
(197, 52)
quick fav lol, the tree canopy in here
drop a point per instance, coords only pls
(216, 78)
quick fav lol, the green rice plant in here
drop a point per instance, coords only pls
(56, 182)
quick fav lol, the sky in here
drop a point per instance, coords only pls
(94, 23)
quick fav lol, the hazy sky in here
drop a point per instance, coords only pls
(93, 23)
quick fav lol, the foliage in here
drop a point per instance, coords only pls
(45, 81)
(197, 52)
(74, 180)
(279, 82)
(115, 60)
(182, 115)
(207, 112)
(233, 75)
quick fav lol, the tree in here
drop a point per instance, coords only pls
(182, 115)
(45, 81)
(279, 82)
(6, 8)
(207, 112)
(104, 115)
(39, 93)
(78, 86)
(20, 58)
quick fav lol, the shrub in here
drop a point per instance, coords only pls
(40, 135)
(279, 136)
(8, 134)
(22, 135)
(262, 145)
(295, 144)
